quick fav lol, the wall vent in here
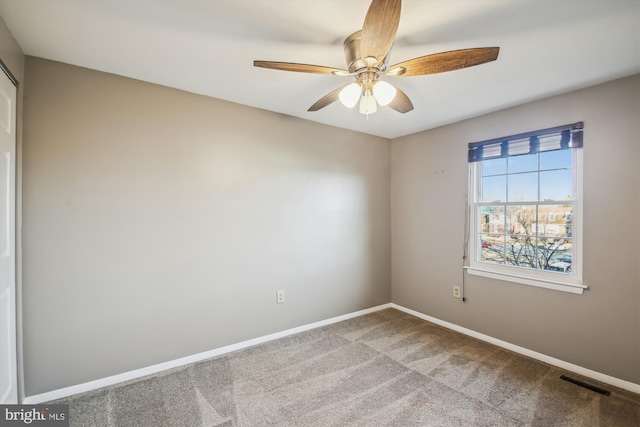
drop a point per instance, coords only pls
(585, 385)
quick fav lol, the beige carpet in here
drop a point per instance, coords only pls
(382, 369)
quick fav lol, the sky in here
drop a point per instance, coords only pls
(516, 178)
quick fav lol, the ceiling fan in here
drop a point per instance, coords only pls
(367, 55)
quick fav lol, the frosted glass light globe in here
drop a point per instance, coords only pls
(350, 94)
(384, 92)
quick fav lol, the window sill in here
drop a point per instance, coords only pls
(530, 281)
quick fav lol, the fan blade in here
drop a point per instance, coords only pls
(401, 102)
(447, 61)
(329, 98)
(300, 68)
(379, 29)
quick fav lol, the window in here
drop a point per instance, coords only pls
(525, 208)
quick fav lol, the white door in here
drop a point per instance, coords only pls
(8, 366)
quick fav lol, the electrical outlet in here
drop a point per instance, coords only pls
(457, 293)
(280, 296)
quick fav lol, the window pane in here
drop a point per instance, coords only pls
(559, 159)
(524, 163)
(556, 185)
(555, 253)
(494, 189)
(491, 219)
(523, 186)
(521, 251)
(494, 167)
(521, 219)
(492, 248)
(555, 220)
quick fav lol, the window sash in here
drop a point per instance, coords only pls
(538, 234)
(561, 281)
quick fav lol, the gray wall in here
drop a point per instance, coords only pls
(159, 224)
(10, 52)
(600, 329)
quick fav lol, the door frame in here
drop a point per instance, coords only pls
(4, 69)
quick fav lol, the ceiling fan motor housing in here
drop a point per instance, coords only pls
(353, 57)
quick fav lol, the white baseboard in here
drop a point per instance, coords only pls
(149, 370)
(607, 379)
(138, 373)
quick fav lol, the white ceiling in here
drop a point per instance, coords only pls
(208, 47)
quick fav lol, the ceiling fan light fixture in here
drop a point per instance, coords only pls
(368, 103)
(367, 55)
(384, 92)
(350, 95)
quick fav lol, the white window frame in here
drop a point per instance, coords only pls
(566, 282)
